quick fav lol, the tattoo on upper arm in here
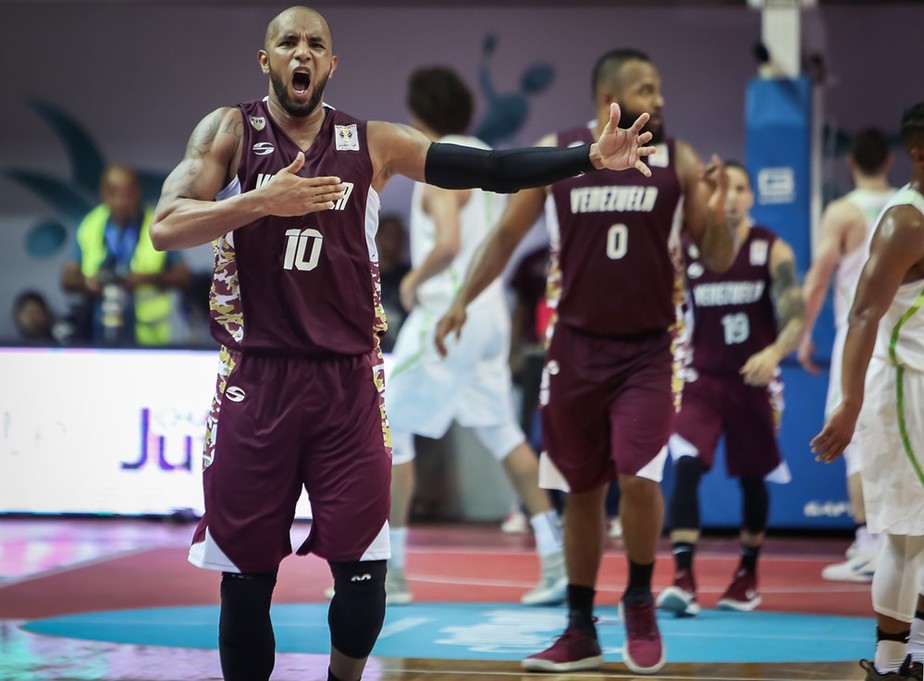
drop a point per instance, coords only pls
(182, 182)
(787, 294)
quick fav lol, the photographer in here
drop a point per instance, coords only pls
(125, 284)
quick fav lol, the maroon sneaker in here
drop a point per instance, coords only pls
(742, 593)
(643, 651)
(680, 597)
(575, 650)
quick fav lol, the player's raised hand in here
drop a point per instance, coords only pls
(620, 149)
(716, 178)
(289, 194)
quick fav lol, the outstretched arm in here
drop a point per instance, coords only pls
(838, 217)
(401, 150)
(522, 211)
(705, 190)
(187, 213)
(443, 206)
(897, 248)
(790, 313)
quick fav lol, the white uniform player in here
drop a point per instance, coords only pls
(890, 435)
(425, 393)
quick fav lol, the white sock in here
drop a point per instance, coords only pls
(547, 532)
(916, 640)
(398, 538)
(889, 656)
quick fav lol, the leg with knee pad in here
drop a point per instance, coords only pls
(755, 505)
(246, 644)
(357, 609)
(684, 504)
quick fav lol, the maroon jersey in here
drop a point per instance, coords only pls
(305, 285)
(612, 271)
(733, 313)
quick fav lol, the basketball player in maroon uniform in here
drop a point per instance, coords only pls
(295, 306)
(609, 389)
(744, 322)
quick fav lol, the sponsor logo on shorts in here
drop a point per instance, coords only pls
(361, 578)
(235, 394)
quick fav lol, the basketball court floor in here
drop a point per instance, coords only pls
(113, 599)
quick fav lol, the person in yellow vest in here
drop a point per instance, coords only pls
(126, 282)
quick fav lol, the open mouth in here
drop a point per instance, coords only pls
(300, 82)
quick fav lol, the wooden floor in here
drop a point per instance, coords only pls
(50, 566)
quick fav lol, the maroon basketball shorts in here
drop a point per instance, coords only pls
(277, 425)
(748, 416)
(609, 408)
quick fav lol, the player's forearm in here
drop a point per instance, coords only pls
(718, 246)
(184, 223)
(858, 349)
(436, 262)
(487, 265)
(814, 291)
(788, 339)
(454, 166)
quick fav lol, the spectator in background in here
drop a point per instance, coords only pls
(125, 282)
(35, 322)
(391, 242)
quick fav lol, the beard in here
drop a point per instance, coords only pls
(629, 117)
(290, 107)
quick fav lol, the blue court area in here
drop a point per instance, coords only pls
(492, 631)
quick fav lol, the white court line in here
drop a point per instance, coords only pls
(520, 673)
(844, 587)
(700, 555)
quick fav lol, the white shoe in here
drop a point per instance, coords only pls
(614, 528)
(678, 600)
(860, 568)
(396, 591)
(516, 522)
(552, 589)
(852, 550)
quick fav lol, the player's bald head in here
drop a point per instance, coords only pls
(294, 18)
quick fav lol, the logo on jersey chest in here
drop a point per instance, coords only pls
(346, 137)
(257, 122)
(263, 148)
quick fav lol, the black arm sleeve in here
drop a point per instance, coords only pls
(453, 166)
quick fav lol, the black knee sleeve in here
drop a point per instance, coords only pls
(246, 645)
(684, 504)
(357, 609)
(755, 504)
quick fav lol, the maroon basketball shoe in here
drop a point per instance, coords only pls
(575, 650)
(680, 597)
(741, 594)
(643, 651)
